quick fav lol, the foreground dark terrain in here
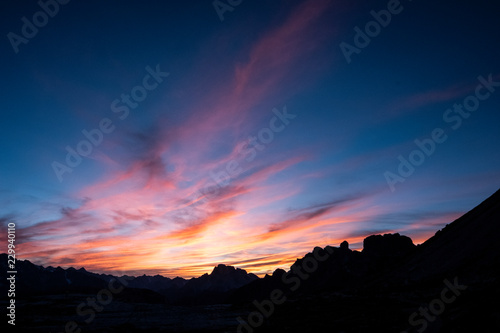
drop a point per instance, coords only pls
(450, 283)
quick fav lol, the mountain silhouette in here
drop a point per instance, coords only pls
(382, 288)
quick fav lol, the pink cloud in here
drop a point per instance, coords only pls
(138, 214)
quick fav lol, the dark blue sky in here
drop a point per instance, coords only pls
(262, 141)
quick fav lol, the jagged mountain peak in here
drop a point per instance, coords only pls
(222, 269)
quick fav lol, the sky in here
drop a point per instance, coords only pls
(161, 137)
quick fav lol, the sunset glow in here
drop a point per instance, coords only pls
(260, 144)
